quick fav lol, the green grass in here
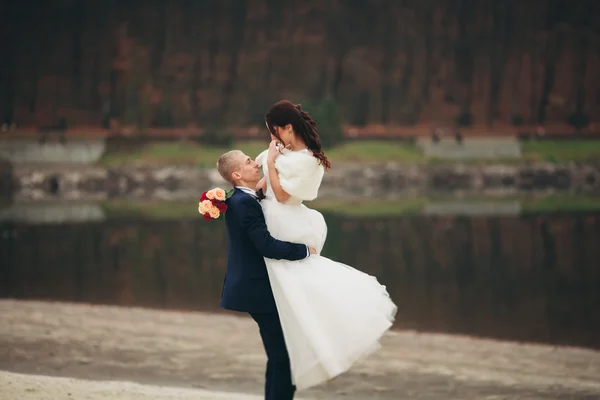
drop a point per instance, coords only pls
(364, 208)
(192, 153)
(151, 209)
(369, 151)
(562, 151)
(556, 203)
(183, 152)
(175, 210)
(369, 208)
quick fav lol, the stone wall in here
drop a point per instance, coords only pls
(391, 179)
(86, 151)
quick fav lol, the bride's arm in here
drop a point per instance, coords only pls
(280, 194)
(262, 184)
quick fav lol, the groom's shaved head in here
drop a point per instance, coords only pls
(229, 163)
(238, 169)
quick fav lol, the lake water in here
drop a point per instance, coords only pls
(523, 276)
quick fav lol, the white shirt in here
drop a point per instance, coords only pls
(247, 190)
(253, 194)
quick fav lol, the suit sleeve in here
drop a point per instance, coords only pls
(252, 220)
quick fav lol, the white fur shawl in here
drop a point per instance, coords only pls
(300, 173)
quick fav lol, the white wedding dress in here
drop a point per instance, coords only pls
(332, 315)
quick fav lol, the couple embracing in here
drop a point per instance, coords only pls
(316, 317)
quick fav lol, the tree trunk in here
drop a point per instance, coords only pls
(11, 28)
(238, 23)
(516, 86)
(500, 41)
(194, 33)
(389, 51)
(339, 39)
(35, 77)
(39, 29)
(464, 53)
(320, 90)
(338, 73)
(586, 11)
(517, 47)
(78, 22)
(361, 110)
(213, 43)
(580, 73)
(533, 79)
(160, 38)
(428, 26)
(554, 43)
(98, 25)
(274, 16)
(407, 72)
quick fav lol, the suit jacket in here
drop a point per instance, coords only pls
(246, 287)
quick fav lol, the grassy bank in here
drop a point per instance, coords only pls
(562, 151)
(205, 156)
(192, 153)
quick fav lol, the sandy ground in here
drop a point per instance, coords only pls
(34, 387)
(129, 353)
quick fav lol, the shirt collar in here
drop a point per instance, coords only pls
(247, 190)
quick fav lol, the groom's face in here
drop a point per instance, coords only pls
(247, 171)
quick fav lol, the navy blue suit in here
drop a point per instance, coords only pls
(247, 288)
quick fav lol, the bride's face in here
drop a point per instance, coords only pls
(284, 134)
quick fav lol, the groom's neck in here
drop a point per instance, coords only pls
(249, 185)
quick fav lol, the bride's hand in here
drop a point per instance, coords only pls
(261, 185)
(273, 151)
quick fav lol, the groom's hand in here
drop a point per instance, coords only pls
(312, 250)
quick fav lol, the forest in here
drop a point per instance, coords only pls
(195, 63)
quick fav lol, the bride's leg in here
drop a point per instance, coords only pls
(278, 385)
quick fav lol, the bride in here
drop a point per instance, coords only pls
(331, 314)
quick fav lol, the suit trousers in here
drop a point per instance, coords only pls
(278, 383)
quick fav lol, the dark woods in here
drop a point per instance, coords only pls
(181, 63)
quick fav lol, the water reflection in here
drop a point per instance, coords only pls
(531, 277)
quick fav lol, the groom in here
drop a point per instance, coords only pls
(247, 287)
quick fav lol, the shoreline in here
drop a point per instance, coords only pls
(219, 352)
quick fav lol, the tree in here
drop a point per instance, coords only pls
(427, 8)
(464, 59)
(238, 23)
(555, 15)
(389, 50)
(579, 119)
(329, 123)
(11, 26)
(77, 22)
(501, 34)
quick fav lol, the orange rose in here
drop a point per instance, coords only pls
(205, 206)
(219, 194)
(210, 194)
(214, 212)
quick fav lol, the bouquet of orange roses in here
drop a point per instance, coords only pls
(212, 203)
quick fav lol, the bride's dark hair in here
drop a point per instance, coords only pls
(285, 112)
